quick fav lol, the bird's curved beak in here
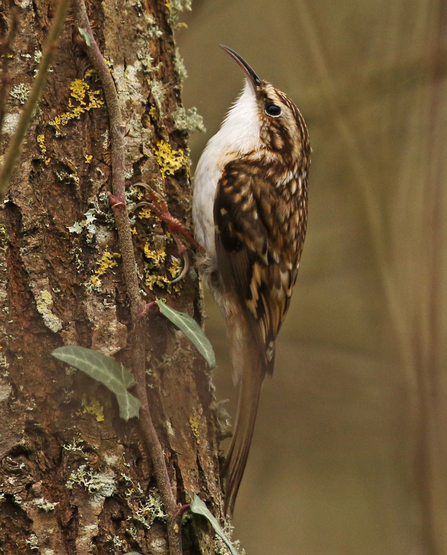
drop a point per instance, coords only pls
(253, 79)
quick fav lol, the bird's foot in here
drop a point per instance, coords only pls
(160, 208)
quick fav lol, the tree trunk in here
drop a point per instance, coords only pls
(74, 477)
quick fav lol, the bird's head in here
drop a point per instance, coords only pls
(267, 118)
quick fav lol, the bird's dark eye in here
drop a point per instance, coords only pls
(273, 110)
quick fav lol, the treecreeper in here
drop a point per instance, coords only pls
(250, 216)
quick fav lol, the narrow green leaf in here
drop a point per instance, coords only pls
(106, 370)
(199, 508)
(191, 329)
(85, 35)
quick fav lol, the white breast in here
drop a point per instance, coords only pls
(238, 135)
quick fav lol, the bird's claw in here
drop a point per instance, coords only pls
(160, 209)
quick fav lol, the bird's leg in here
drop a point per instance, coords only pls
(176, 228)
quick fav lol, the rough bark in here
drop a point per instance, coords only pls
(74, 477)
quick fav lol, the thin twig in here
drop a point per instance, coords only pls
(5, 51)
(48, 53)
(118, 202)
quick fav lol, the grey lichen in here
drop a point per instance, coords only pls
(44, 304)
(189, 121)
(66, 177)
(176, 7)
(147, 62)
(20, 92)
(133, 532)
(10, 123)
(158, 92)
(106, 140)
(44, 504)
(153, 29)
(221, 547)
(150, 510)
(180, 66)
(100, 484)
(33, 542)
(158, 546)
(181, 5)
(3, 362)
(117, 542)
(87, 224)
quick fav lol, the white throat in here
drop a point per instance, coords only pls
(238, 135)
(240, 129)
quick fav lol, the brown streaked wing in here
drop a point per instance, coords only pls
(248, 261)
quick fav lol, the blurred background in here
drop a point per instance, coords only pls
(350, 448)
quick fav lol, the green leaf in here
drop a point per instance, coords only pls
(106, 370)
(85, 35)
(199, 508)
(191, 329)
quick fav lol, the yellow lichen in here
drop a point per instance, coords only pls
(107, 261)
(144, 213)
(157, 257)
(93, 407)
(194, 425)
(88, 158)
(43, 148)
(139, 194)
(73, 168)
(86, 98)
(169, 160)
(175, 267)
(152, 111)
(78, 89)
(94, 280)
(154, 280)
(160, 281)
(134, 231)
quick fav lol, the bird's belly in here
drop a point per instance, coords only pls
(205, 184)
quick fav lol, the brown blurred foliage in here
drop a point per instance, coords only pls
(350, 450)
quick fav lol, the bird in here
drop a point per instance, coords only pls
(250, 218)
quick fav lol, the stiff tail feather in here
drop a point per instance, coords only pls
(250, 389)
